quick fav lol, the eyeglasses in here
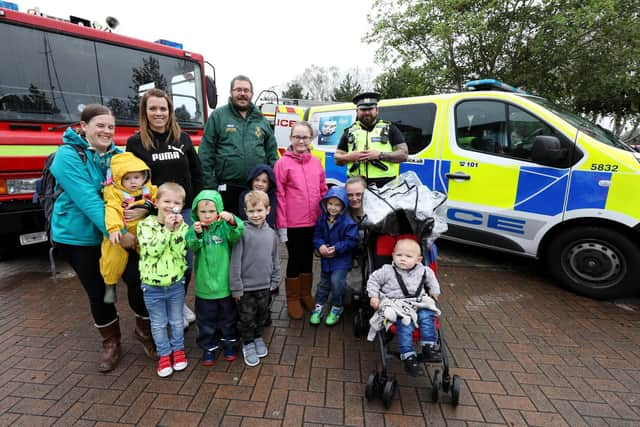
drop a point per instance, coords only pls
(301, 137)
(241, 90)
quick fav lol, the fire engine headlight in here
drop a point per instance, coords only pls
(21, 186)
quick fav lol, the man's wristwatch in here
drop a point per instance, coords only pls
(381, 157)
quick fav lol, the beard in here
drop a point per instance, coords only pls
(241, 107)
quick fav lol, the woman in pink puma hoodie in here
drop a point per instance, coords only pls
(301, 184)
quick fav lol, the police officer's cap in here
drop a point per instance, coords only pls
(366, 100)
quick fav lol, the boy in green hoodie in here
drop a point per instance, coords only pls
(211, 237)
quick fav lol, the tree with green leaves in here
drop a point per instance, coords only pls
(584, 54)
(294, 90)
(347, 90)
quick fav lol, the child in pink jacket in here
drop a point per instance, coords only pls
(301, 184)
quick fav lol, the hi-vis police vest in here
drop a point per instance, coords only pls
(376, 139)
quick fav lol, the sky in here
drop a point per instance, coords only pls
(272, 42)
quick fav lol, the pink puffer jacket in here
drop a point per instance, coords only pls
(301, 184)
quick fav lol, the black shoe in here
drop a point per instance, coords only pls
(412, 367)
(430, 354)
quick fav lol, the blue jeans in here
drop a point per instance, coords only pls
(334, 282)
(404, 333)
(164, 304)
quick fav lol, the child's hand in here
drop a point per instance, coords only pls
(197, 227)
(114, 237)
(375, 303)
(228, 217)
(173, 222)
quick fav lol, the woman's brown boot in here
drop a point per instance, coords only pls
(292, 286)
(306, 282)
(142, 333)
(110, 346)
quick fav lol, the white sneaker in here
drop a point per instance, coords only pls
(188, 315)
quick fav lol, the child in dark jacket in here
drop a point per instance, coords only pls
(335, 238)
(261, 178)
(254, 272)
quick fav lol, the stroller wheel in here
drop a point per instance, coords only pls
(359, 323)
(388, 392)
(455, 390)
(370, 389)
(436, 383)
(357, 316)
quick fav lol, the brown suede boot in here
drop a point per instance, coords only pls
(110, 346)
(292, 285)
(142, 333)
(306, 282)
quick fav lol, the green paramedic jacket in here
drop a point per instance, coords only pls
(212, 249)
(231, 146)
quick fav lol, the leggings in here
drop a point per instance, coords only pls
(85, 261)
(300, 248)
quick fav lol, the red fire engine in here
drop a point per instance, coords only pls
(51, 69)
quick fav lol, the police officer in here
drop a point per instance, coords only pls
(370, 147)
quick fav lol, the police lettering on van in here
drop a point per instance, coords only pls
(521, 175)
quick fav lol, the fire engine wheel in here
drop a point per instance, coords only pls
(595, 261)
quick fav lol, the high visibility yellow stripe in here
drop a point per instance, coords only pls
(27, 150)
(623, 195)
(490, 185)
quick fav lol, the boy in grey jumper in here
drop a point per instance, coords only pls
(253, 273)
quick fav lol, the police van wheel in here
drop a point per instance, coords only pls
(595, 261)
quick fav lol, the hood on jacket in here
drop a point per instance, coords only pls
(259, 169)
(338, 192)
(211, 195)
(122, 164)
(72, 137)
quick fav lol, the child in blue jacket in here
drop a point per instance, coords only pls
(334, 239)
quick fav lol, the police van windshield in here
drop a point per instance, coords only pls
(583, 125)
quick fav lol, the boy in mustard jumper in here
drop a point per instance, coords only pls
(129, 185)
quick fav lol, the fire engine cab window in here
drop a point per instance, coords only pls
(132, 72)
(502, 129)
(414, 121)
(47, 77)
(50, 77)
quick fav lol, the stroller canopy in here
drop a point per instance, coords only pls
(405, 205)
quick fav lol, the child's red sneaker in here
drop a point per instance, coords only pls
(164, 366)
(179, 360)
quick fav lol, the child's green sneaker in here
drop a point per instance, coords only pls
(316, 314)
(334, 316)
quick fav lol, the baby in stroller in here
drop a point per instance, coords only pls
(407, 291)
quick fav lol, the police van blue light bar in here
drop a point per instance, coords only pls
(169, 43)
(492, 84)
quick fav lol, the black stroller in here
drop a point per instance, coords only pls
(402, 208)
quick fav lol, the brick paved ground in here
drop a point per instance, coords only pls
(529, 354)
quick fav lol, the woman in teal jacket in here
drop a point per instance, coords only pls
(77, 227)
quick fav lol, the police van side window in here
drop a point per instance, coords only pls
(502, 129)
(415, 121)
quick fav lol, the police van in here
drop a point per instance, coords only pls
(521, 174)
